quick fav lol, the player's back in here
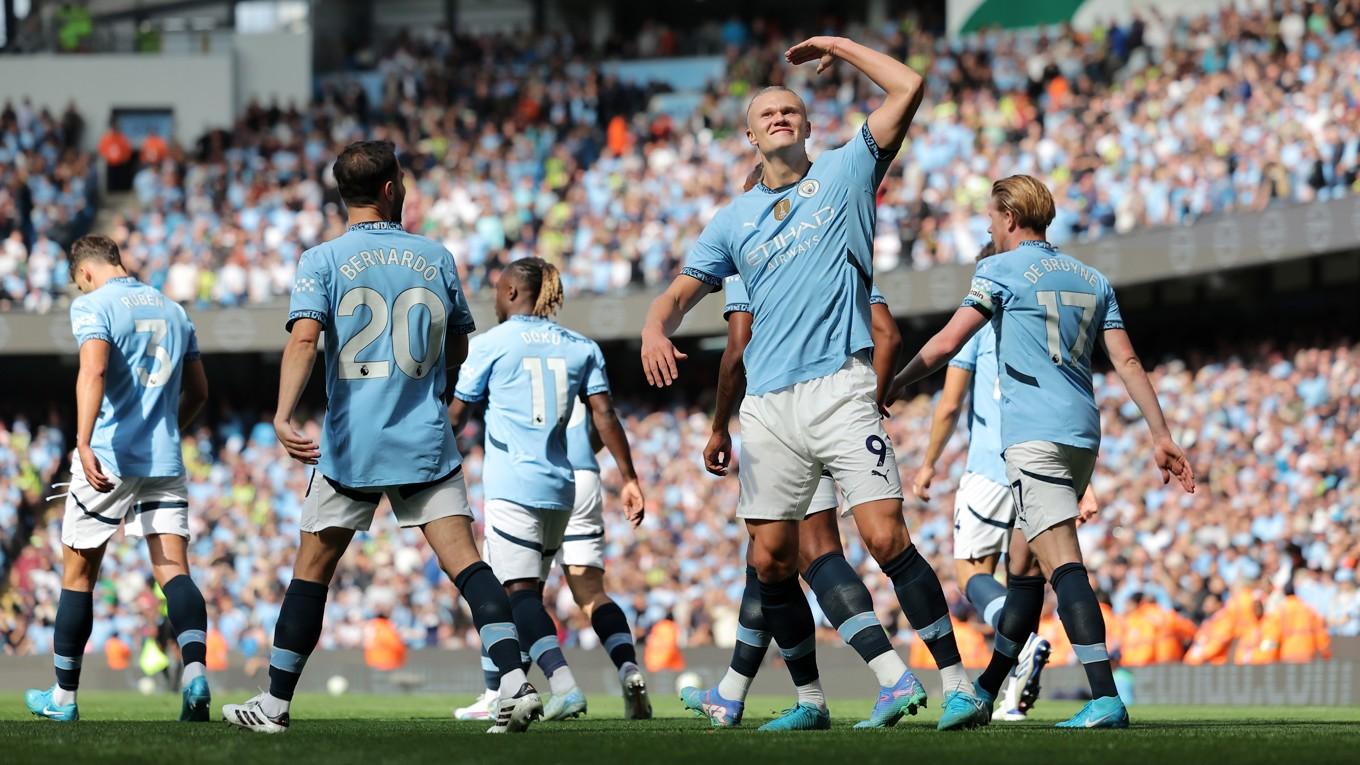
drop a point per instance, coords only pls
(530, 370)
(1053, 308)
(387, 299)
(137, 431)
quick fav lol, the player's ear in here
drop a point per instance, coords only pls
(750, 136)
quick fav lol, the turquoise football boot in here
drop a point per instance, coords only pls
(40, 704)
(804, 716)
(721, 712)
(1104, 712)
(903, 698)
(197, 700)
(963, 710)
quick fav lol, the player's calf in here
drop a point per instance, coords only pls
(493, 616)
(189, 620)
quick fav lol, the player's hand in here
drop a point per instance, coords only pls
(658, 359)
(94, 473)
(718, 452)
(299, 446)
(821, 49)
(1172, 462)
(920, 485)
(1087, 507)
(634, 505)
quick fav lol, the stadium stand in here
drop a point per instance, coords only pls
(1275, 432)
(525, 146)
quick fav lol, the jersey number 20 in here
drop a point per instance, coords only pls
(351, 368)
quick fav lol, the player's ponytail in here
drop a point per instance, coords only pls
(549, 290)
(541, 279)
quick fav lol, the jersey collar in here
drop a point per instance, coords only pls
(377, 225)
(1041, 244)
(122, 280)
(526, 317)
(762, 187)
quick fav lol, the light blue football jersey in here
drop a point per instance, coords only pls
(530, 371)
(580, 452)
(805, 255)
(137, 431)
(735, 297)
(978, 356)
(387, 300)
(1047, 309)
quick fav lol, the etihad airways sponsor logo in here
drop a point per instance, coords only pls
(796, 239)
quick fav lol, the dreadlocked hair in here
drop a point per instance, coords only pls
(540, 278)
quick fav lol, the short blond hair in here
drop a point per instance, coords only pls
(1027, 199)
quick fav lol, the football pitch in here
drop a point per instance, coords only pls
(126, 728)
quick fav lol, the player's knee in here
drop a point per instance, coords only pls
(885, 543)
(771, 567)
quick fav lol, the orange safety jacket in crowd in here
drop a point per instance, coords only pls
(1060, 648)
(1141, 629)
(662, 653)
(1213, 640)
(1252, 646)
(117, 653)
(217, 651)
(383, 647)
(114, 148)
(1298, 630)
(1176, 634)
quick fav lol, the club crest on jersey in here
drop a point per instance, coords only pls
(809, 188)
(782, 208)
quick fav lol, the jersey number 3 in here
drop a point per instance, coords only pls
(351, 368)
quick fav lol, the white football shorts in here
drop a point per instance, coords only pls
(984, 514)
(142, 506)
(1047, 481)
(329, 504)
(521, 542)
(583, 542)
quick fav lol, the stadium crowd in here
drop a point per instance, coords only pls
(1272, 540)
(524, 146)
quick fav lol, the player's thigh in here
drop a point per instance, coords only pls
(848, 438)
(554, 524)
(587, 586)
(774, 548)
(319, 552)
(1020, 560)
(778, 478)
(514, 541)
(983, 518)
(91, 517)
(329, 505)
(583, 542)
(160, 514)
(1043, 478)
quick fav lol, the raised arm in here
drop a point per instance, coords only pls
(942, 423)
(903, 87)
(94, 365)
(607, 424)
(937, 351)
(731, 387)
(296, 367)
(663, 319)
(1168, 456)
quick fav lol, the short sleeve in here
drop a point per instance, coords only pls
(474, 376)
(1113, 318)
(310, 294)
(863, 161)
(459, 321)
(89, 321)
(735, 296)
(191, 348)
(710, 259)
(988, 292)
(876, 297)
(966, 358)
(596, 380)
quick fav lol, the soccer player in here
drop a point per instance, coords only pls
(140, 381)
(984, 512)
(1048, 310)
(840, 592)
(394, 316)
(802, 243)
(530, 369)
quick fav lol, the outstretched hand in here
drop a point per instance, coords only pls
(821, 49)
(1172, 462)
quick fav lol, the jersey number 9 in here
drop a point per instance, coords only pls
(351, 368)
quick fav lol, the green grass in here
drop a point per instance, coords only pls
(125, 728)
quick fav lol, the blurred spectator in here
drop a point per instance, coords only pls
(116, 150)
(1298, 630)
